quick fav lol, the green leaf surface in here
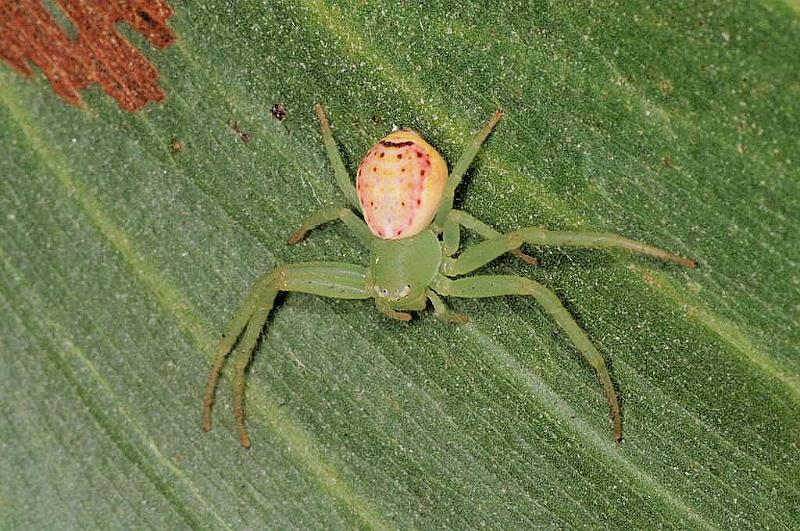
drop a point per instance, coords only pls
(121, 262)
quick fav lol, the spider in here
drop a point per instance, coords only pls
(405, 194)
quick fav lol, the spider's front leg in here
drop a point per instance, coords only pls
(486, 251)
(500, 285)
(328, 279)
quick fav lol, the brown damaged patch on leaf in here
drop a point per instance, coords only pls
(244, 135)
(30, 34)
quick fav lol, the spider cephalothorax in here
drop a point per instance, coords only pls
(405, 195)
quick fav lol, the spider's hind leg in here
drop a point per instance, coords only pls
(461, 167)
(451, 235)
(339, 170)
(353, 222)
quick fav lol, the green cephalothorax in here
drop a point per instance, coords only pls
(401, 270)
(405, 196)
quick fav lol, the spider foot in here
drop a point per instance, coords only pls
(297, 236)
(528, 259)
(443, 313)
(398, 316)
(453, 317)
(390, 312)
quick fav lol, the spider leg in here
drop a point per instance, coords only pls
(499, 285)
(486, 251)
(328, 279)
(451, 235)
(240, 320)
(241, 359)
(390, 312)
(442, 312)
(353, 222)
(463, 163)
(342, 178)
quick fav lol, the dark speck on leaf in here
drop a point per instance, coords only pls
(278, 111)
(144, 15)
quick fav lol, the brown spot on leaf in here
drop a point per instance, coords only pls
(236, 128)
(29, 34)
(278, 111)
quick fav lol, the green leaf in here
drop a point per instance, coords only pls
(121, 262)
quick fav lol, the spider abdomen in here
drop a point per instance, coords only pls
(400, 183)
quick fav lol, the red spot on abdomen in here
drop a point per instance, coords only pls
(390, 182)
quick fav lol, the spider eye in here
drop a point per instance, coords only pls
(403, 292)
(383, 292)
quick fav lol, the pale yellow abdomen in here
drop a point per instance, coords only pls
(400, 183)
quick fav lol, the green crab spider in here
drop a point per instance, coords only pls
(405, 195)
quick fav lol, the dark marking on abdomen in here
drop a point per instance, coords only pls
(389, 143)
